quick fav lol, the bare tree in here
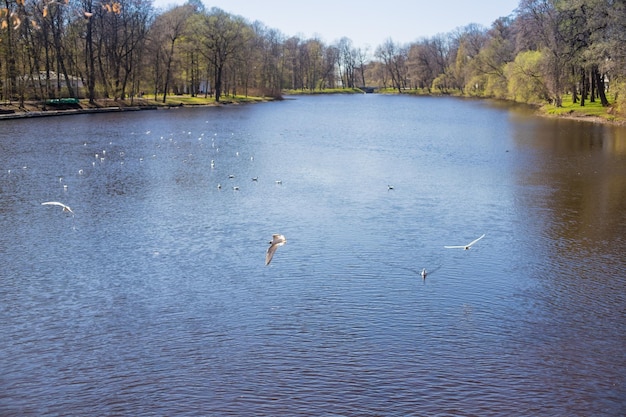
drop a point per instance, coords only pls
(223, 35)
(428, 60)
(394, 58)
(166, 31)
(361, 62)
(421, 66)
(348, 56)
(9, 22)
(312, 63)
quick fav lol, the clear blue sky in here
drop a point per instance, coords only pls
(364, 22)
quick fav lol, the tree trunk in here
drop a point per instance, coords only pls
(91, 66)
(11, 66)
(61, 68)
(583, 87)
(218, 82)
(592, 97)
(600, 86)
(574, 88)
(168, 70)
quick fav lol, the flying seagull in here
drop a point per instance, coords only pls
(56, 203)
(465, 247)
(423, 273)
(277, 240)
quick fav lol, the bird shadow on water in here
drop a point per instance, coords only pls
(423, 273)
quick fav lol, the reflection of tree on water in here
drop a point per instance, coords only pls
(583, 167)
(573, 193)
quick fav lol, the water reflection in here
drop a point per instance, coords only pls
(575, 188)
(583, 169)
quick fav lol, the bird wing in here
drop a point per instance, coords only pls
(474, 241)
(464, 246)
(270, 253)
(56, 203)
(278, 239)
(53, 203)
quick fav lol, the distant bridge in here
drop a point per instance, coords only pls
(368, 90)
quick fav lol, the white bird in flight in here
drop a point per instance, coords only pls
(277, 240)
(465, 247)
(56, 203)
(423, 273)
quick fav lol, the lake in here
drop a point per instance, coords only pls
(153, 298)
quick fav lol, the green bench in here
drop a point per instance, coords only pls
(62, 101)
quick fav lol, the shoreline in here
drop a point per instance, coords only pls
(67, 112)
(29, 110)
(12, 111)
(581, 117)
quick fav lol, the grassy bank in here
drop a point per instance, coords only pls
(187, 100)
(173, 101)
(41, 107)
(591, 111)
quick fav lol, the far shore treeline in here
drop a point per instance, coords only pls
(120, 49)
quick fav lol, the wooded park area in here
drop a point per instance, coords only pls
(126, 48)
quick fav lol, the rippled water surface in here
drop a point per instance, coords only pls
(153, 298)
